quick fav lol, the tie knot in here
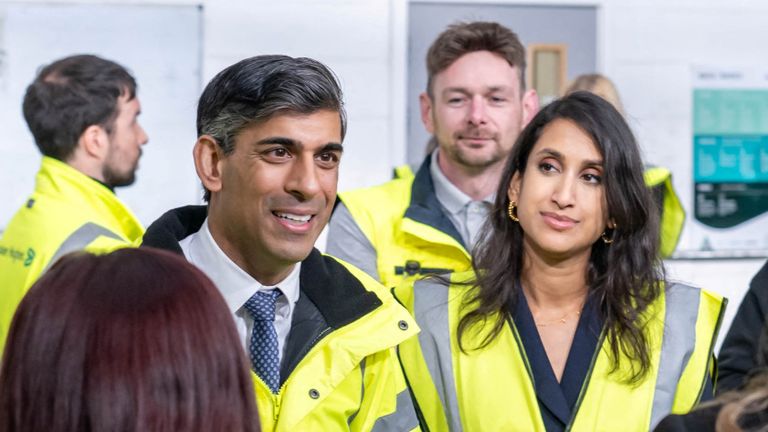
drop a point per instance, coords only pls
(261, 305)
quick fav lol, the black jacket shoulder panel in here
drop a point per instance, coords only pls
(738, 354)
(339, 295)
(173, 226)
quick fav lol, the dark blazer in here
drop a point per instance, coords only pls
(700, 420)
(738, 355)
(703, 420)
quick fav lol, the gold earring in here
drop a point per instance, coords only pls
(606, 239)
(511, 211)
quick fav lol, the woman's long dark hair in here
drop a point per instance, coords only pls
(135, 340)
(626, 275)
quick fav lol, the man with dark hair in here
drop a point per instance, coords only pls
(475, 105)
(321, 335)
(82, 111)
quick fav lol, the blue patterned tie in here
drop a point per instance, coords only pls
(263, 346)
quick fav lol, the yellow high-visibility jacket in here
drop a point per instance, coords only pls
(351, 379)
(67, 211)
(412, 236)
(492, 388)
(659, 180)
(339, 370)
(406, 225)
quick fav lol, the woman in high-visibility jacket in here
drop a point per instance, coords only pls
(566, 322)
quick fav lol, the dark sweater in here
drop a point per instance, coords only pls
(703, 420)
(738, 355)
(700, 420)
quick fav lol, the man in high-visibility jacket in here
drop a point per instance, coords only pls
(321, 335)
(82, 111)
(475, 105)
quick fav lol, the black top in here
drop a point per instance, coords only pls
(738, 354)
(703, 420)
(700, 420)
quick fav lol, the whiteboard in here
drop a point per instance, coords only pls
(160, 45)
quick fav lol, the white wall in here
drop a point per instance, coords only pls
(651, 56)
(159, 44)
(649, 49)
(647, 46)
(350, 36)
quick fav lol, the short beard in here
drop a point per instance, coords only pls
(115, 179)
(458, 155)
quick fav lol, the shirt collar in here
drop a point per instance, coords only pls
(234, 284)
(451, 197)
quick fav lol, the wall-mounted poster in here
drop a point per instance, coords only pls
(730, 158)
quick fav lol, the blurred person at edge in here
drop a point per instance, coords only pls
(83, 113)
(567, 321)
(134, 340)
(743, 410)
(740, 354)
(657, 178)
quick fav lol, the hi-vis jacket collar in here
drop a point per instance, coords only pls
(424, 206)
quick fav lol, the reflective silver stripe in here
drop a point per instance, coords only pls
(430, 308)
(403, 419)
(680, 315)
(362, 392)
(79, 239)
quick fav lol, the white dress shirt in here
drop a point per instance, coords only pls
(237, 286)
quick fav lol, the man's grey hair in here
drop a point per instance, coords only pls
(256, 89)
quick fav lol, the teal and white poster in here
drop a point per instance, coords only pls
(730, 158)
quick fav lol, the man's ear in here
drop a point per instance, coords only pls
(530, 105)
(94, 142)
(513, 191)
(208, 155)
(425, 103)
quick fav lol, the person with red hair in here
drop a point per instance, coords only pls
(135, 340)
